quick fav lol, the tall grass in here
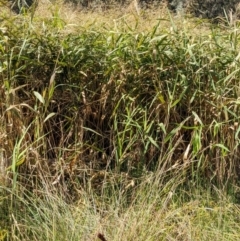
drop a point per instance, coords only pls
(112, 128)
(156, 212)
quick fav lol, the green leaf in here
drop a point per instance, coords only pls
(162, 126)
(222, 147)
(39, 97)
(49, 116)
(153, 142)
(158, 38)
(236, 134)
(197, 118)
(93, 131)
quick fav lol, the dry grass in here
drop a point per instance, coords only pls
(143, 20)
(118, 123)
(154, 213)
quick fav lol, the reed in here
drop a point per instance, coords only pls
(109, 124)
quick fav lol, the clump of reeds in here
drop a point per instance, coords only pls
(99, 109)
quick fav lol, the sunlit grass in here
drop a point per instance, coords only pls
(152, 214)
(118, 123)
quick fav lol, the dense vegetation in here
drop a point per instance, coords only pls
(211, 9)
(119, 125)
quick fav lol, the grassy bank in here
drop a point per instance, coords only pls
(119, 124)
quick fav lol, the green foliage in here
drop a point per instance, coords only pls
(117, 118)
(123, 99)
